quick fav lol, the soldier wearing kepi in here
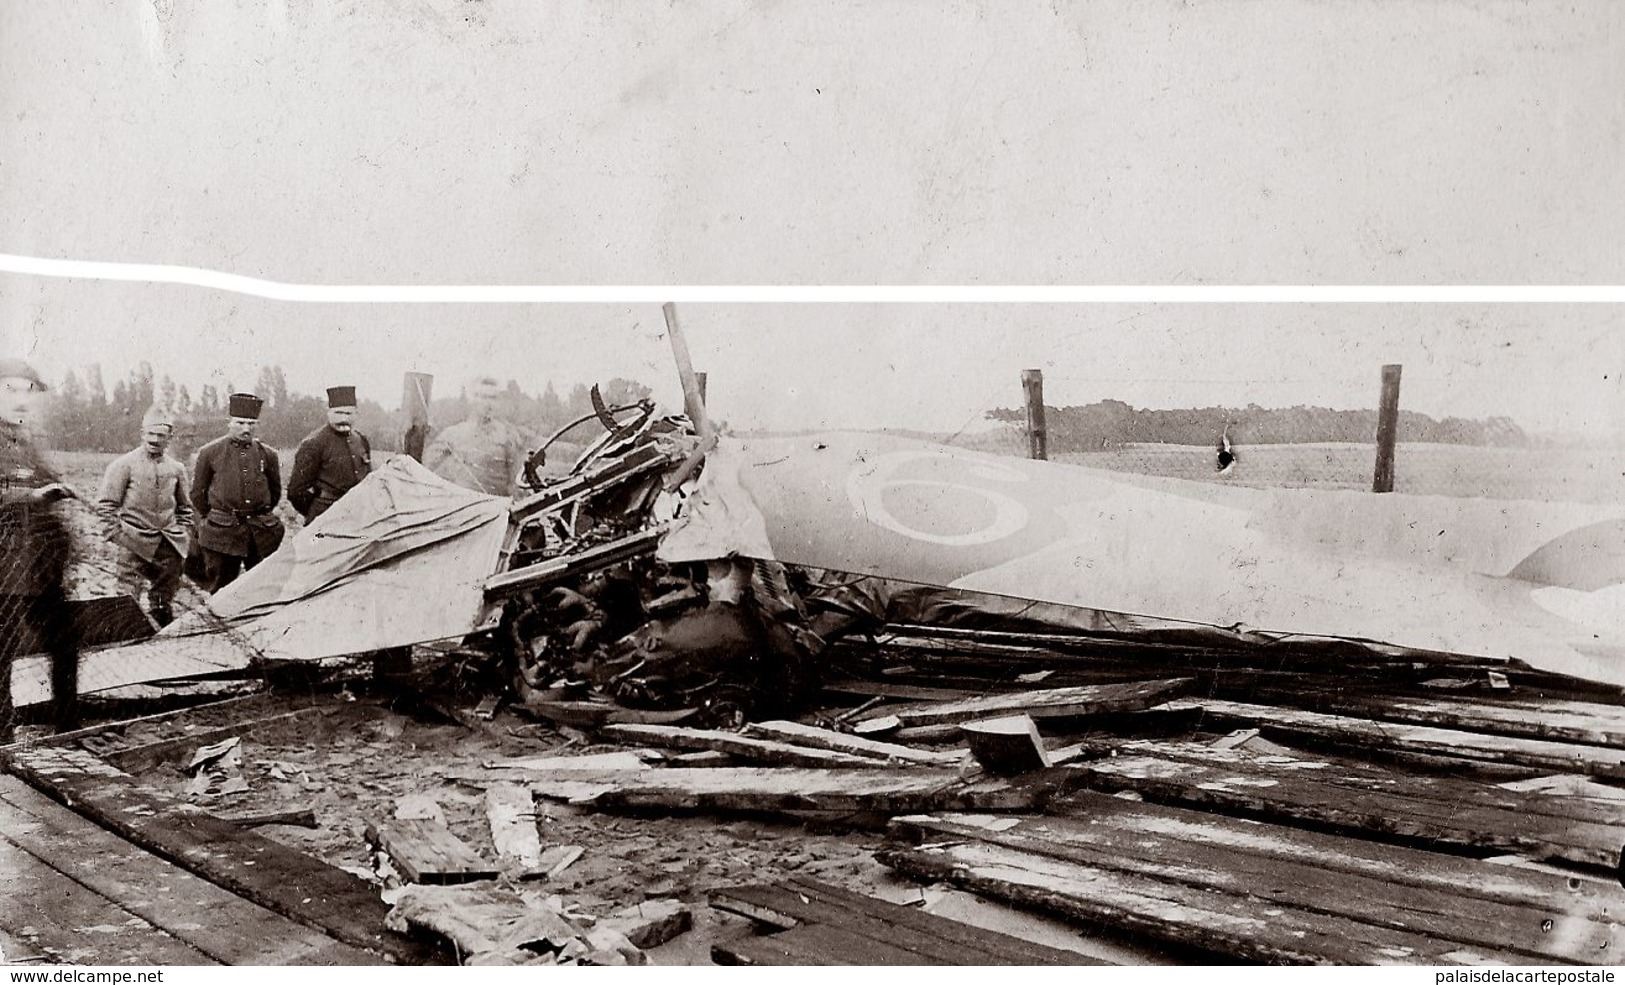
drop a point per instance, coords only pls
(235, 487)
(331, 459)
(34, 551)
(482, 453)
(146, 510)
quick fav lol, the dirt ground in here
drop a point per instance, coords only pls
(355, 760)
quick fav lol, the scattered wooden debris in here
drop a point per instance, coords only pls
(793, 789)
(884, 725)
(807, 735)
(556, 858)
(1585, 722)
(300, 818)
(826, 925)
(428, 853)
(494, 925)
(734, 744)
(1006, 746)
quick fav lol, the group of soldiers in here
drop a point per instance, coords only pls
(222, 518)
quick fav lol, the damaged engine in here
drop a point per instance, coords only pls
(588, 612)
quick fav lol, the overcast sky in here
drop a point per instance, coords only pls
(1550, 367)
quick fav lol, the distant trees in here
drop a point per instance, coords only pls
(83, 417)
(1108, 424)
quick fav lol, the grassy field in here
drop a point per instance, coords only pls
(1548, 474)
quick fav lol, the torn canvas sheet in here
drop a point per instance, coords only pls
(1534, 582)
(401, 559)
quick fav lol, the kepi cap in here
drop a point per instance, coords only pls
(157, 416)
(12, 367)
(340, 396)
(244, 405)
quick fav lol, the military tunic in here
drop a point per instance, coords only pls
(235, 488)
(146, 498)
(326, 466)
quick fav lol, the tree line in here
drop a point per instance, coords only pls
(1108, 424)
(83, 414)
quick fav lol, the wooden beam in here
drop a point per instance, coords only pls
(1090, 699)
(741, 746)
(1032, 386)
(1272, 879)
(279, 878)
(1447, 812)
(1221, 923)
(217, 923)
(1382, 480)
(795, 789)
(1546, 754)
(856, 745)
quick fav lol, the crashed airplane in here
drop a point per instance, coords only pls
(669, 572)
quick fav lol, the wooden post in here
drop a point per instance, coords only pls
(1387, 430)
(699, 379)
(693, 396)
(415, 403)
(1032, 381)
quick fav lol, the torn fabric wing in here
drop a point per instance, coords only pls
(1539, 583)
(402, 558)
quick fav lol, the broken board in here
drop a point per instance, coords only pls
(740, 746)
(427, 853)
(856, 745)
(1452, 813)
(866, 923)
(1061, 702)
(1545, 754)
(796, 789)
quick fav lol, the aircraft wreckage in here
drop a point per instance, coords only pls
(667, 571)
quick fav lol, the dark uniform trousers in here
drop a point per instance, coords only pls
(39, 614)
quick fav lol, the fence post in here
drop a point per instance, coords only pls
(1387, 430)
(415, 402)
(1032, 381)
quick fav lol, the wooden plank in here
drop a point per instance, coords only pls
(219, 924)
(900, 692)
(74, 925)
(1538, 753)
(1443, 915)
(272, 875)
(1220, 923)
(1472, 879)
(426, 852)
(734, 744)
(1452, 813)
(793, 789)
(855, 745)
(1584, 722)
(816, 944)
(1006, 746)
(510, 811)
(800, 900)
(1089, 699)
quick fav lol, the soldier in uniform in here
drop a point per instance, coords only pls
(482, 453)
(331, 459)
(145, 509)
(235, 487)
(34, 552)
